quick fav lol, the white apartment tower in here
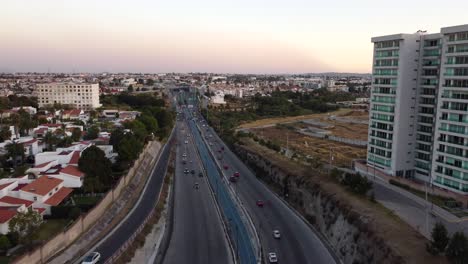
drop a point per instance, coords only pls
(79, 95)
(419, 107)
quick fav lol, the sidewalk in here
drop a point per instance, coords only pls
(116, 210)
(413, 184)
(412, 209)
(147, 253)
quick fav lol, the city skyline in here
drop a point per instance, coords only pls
(206, 36)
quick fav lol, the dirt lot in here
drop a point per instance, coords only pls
(398, 235)
(316, 148)
(339, 128)
(290, 119)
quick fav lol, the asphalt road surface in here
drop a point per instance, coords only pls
(198, 236)
(112, 243)
(298, 243)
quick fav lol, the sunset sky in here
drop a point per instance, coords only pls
(239, 36)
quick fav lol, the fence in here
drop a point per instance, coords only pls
(68, 236)
(354, 142)
(241, 239)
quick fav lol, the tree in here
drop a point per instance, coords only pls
(65, 142)
(130, 88)
(138, 129)
(439, 239)
(26, 226)
(25, 122)
(15, 151)
(50, 140)
(129, 148)
(149, 82)
(92, 132)
(116, 136)
(76, 134)
(5, 133)
(96, 167)
(457, 249)
(150, 123)
(4, 242)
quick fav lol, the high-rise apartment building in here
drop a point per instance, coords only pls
(419, 107)
(79, 95)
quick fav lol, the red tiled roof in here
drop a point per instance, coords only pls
(14, 200)
(29, 141)
(20, 185)
(75, 112)
(42, 186)
(41, 130)
(42, 165)
(75, 157)
(59, 196)
(6, 214)
(52, 125)
(72, 170)
(65, 152)
(40, 210)
(2, 186)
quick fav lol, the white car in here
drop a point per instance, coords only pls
(92, 258)
(276, 234)
(186, 141)
(184, 155)
(272, 257)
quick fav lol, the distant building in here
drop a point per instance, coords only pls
(79, 95)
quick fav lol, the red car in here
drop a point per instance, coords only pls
(236, 174)
(222, 148)
(260, 203)
(226, 167)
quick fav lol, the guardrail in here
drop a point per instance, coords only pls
(245, 215)
(244, 248)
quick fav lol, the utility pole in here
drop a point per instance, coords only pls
(426, 207)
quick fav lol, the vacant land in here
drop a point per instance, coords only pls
(312, 148)
(345, 123)
(401, 237)
(289, 119)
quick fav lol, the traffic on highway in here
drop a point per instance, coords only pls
(284, 237)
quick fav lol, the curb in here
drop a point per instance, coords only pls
(76, 260)
(235, 198)
(218, 210)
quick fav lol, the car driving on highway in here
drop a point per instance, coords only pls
(260, 203)
(186, 171)
(272, 257)
(232, 179)
(276, 234)
(92, 258)
(236, 174)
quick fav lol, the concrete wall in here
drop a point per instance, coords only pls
(352, 240)
(64, 239)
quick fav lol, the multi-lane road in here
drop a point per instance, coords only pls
(198, 235)
(298, 243)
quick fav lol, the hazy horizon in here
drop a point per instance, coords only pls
(262, 37)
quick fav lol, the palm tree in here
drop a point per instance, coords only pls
(50, 140)
(15, 151)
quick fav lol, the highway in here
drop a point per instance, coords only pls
(298, 243)
(198, 235)
(119, 236)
